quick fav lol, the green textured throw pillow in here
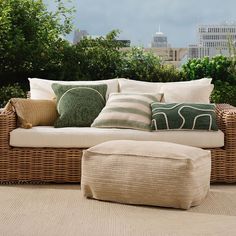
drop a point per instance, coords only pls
(78, 106)
(183, 116)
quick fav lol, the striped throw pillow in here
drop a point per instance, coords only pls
(127, 110)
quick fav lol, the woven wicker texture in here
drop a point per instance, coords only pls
(64, 165)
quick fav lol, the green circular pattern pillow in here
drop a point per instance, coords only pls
(78, 106)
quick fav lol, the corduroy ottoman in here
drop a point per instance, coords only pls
(146, 173)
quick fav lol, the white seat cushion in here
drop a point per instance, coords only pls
(47, 136)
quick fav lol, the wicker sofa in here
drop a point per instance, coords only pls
(63, 164)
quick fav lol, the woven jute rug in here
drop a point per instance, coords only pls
(62, 210)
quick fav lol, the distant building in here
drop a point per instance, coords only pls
(161, 48)
(170, 55)
(124, 43)
(78, 35)
(213, 40)
(159, 40)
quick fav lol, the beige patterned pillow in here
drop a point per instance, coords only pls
(34, 112)
(127, 110)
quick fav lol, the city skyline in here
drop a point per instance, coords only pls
(138, 21)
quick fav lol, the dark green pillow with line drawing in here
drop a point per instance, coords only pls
(183, 116)
(78, 105)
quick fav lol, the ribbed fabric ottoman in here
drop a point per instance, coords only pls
(146, 173)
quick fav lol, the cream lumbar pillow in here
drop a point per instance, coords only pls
(127, 110)
(33, 112)
(187, 93)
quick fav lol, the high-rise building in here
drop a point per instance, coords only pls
(161, 48)
(159, 40)
(213, 40)
(78, 35)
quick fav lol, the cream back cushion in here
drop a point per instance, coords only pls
(41, 88)
(134, 86)
(189, 93)
(194, 91)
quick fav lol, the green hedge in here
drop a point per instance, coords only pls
(11, 91)
(34, 47)
(221, 69)
(217, 68)
(224, 93)
(140, 65)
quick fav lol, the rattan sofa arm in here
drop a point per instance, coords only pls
(7, 124)
(226, 118)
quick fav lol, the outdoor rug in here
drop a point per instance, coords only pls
(62, 210)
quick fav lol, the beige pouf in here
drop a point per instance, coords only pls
(146, 173)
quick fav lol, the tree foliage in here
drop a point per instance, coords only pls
(32, 45)
(219, 68)
(10, 91)
(99, 58)
(31, 36)
(138, 64)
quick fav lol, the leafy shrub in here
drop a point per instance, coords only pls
(31, 45)
(140, 65)
(224, 93)
(168, 73)
(98, 58)
(221, 69)
(101, 58)
(10, 91)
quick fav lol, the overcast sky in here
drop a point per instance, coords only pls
(138, 20)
